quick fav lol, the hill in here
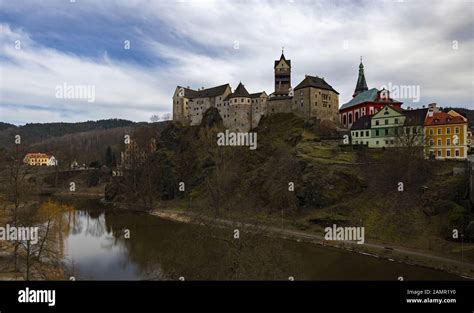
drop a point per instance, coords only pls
(34, 133)
(6, 126)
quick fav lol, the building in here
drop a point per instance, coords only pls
(470, 141)
(315, 98)
(52, 161)
(365, 101)
(412, 133)
(361, 131)
(446, 134)
(386, 127)
(135, 154)
(189, 105)
(312, 98)
(36, 159)
(242, 111)
(390, 127)
(282, 72)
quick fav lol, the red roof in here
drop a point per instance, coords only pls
(441, 118)
(36, 155)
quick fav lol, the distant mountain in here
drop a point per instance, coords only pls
(6, 126)
(34, 133)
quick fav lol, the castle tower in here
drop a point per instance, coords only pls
(361, 83)
(282, 76)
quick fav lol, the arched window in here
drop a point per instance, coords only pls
(344, 120)
(356, 115)
(350, 118)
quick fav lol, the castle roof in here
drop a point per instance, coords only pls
(209, 92)
(370, 95)
(36, 155)
(239, 92)
(257, 94)
(282, 57)
(362, 123)
(316, 82)
(415, 117)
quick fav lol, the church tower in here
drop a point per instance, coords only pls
(282, 76)
(361, 83)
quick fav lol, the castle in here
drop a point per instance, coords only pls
(241, 111)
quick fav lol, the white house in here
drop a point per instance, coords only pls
(52, 161)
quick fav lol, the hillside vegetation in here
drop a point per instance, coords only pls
(333, 183)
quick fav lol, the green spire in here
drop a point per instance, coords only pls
(361, 83)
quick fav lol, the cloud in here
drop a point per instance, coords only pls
(193, 43)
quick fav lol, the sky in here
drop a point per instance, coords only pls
(77, 60)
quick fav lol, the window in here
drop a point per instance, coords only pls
(377, 133)
(350, 118)
(431, 142)
(357, 134)
(439, 131)
(344, 120)
(376, 122)
(448, 141)
(439, 142)
(386, 131)
(431, 131)
(356, 115)
(367, 133)
(391, 142)
(448, 130)
(448, 153)
(386, 122)
(456, 130)
(457, 153)
(439, 153)
(377, 142)
(396, 121)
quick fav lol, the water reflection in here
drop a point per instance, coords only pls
(94, 252)
(95, 248)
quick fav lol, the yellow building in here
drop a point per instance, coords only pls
(446, 135)
(36, 159)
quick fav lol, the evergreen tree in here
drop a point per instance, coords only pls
(108, 157)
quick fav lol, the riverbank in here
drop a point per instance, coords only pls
(372, 248)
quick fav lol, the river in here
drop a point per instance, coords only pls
(105, 243)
